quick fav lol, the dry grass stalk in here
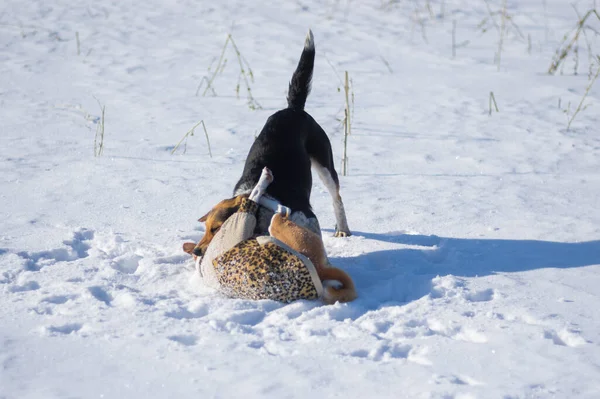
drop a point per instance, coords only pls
(352, 91)
(454, 38)
(333, 68)
(588, 45)
(506, 20)
(493, 101)
(245, 73)
(502, 32)
(387, 64)
(454, 44)
(347, 125)
(546, 30)
(209, 85)
(491, 18)
(581, 107)
(566, 111)
(218, 69)
(421, 21)
(191, 133)
(252, 103)
(99, 137)
(429, 9)
(567, 45)
(78, 43)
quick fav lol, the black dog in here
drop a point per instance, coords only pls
(289, 144)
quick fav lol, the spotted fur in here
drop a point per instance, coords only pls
(254, 271)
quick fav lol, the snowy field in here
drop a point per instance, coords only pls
(476, 246)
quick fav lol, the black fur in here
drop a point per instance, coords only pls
(301, 79)
(288, 142)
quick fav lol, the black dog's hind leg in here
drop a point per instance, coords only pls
(321, 156)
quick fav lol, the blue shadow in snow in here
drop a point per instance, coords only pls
(402, 275)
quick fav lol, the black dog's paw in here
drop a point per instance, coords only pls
(340, 233)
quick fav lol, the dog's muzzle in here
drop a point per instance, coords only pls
(198, 252)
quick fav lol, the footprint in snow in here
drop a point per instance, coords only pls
(470, 335)
(466, 334)
(565, 337)
(451, 286)
(28, 286)
(384, 352)
(247, 318)
(100, 294)
(256, 344)
(188, 313)
(480, 296)
(174, 259)
(127, 264)
(455, 380)
(186, 340)
(74, 249)
(64, 329)
(58, 299)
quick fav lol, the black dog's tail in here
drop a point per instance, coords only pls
(300, 83)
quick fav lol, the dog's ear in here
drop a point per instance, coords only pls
(203, 218)
(229, 205)
(238, 200)
(188, 247)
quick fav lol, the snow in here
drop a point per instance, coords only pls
(476, 246)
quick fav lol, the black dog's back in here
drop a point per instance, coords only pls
(288, 142)
(282, 147)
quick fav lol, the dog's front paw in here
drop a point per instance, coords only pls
(267, 175)
(266, 178)
(339, 233)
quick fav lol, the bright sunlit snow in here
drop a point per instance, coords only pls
(476, 237)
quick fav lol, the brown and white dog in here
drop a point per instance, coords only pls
(298, 238)
(309, 244)
(289, 144)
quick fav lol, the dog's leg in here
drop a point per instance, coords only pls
(299, 238)
(321, 158)
(265, 179)
(275, 206)
(329, 178)
(310, 245)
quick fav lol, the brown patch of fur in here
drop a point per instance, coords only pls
(215, 218)
(310, 245)
(188, 247)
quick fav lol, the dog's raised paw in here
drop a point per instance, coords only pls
(267, 175)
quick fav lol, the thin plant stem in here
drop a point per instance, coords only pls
(191, 133)
(493, 101)
(99, 136)
(502, 32)
(587, 91)
(346, 126)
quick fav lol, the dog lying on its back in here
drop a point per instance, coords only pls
(289, 144)
(287, 265)
(310, 245)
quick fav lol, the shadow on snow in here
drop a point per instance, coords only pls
(402, 275)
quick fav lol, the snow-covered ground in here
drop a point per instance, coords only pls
(476, 246)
